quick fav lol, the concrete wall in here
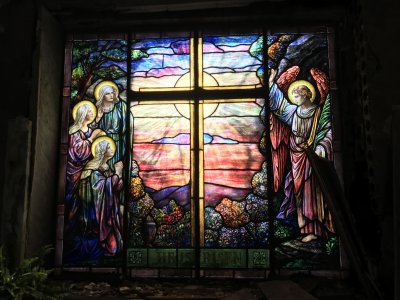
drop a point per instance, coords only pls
(17, 34)
(46, 117)
(382, 22)
(33, 91)
(16, 188)
(31, 95)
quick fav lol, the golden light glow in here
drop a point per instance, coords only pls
(193, 221)
(158, 102)
(100, 85)
(201, 173)
(79, 104)
(110, 141)
(297, 83)
(232, 87)
(202, 78)
(229, 100)
(145, 89)
(183, 109)
(192, 174)
(201, 216)
(191, 63)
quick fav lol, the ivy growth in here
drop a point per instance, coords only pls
(27, 280)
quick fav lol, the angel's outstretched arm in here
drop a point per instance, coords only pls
(279, 106)
(272, 77)
(280, 118)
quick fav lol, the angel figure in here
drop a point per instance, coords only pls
(299, 121)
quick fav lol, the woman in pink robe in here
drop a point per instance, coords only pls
(81, 137)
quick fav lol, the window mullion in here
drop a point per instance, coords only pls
(196, 156)
(128, 150)
(268, 157)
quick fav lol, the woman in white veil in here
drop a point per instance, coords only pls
(81, 137)
(100, 191)
(110, 118)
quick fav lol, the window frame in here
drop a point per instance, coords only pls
(198, 93)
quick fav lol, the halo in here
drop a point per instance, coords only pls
(100, 139)
(100, 85)
(301, 82)
(79, 104)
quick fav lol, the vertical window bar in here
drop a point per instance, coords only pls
(196, 156)
(200, 136)
(63, 156)
(128, 150)
(270, 193)
(200, 153)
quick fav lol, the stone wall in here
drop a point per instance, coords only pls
(46, 117)
(31, 93)
(381, 20)
(32, 90)
(17, 33)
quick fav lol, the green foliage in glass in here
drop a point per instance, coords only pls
(283, 231)
(94, 61)
(88, 59)
(332, 246)
(138, 54)
(116, 54)
(299, 264)
(112, 72)
(256, 49)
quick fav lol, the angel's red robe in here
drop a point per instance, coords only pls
(302, 192)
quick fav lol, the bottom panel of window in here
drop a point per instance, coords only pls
(209, 258)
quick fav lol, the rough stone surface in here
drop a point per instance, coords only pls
(284, 289)
(46, 135)
(297, 286)
(13, 211)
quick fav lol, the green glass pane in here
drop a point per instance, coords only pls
(223, 258)
(137, 257)
(162, 258)
(186, 258)
(258, 258)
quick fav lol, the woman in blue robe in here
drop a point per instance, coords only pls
(100, 191)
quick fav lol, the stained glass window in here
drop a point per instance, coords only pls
(181, 152)
(161, 62)
(232, 61)
(160, 203)
(235, 188)
(300, 103)
(96, 149)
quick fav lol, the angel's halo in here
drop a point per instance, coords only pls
(301, 82)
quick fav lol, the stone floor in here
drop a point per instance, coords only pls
(299, 287)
